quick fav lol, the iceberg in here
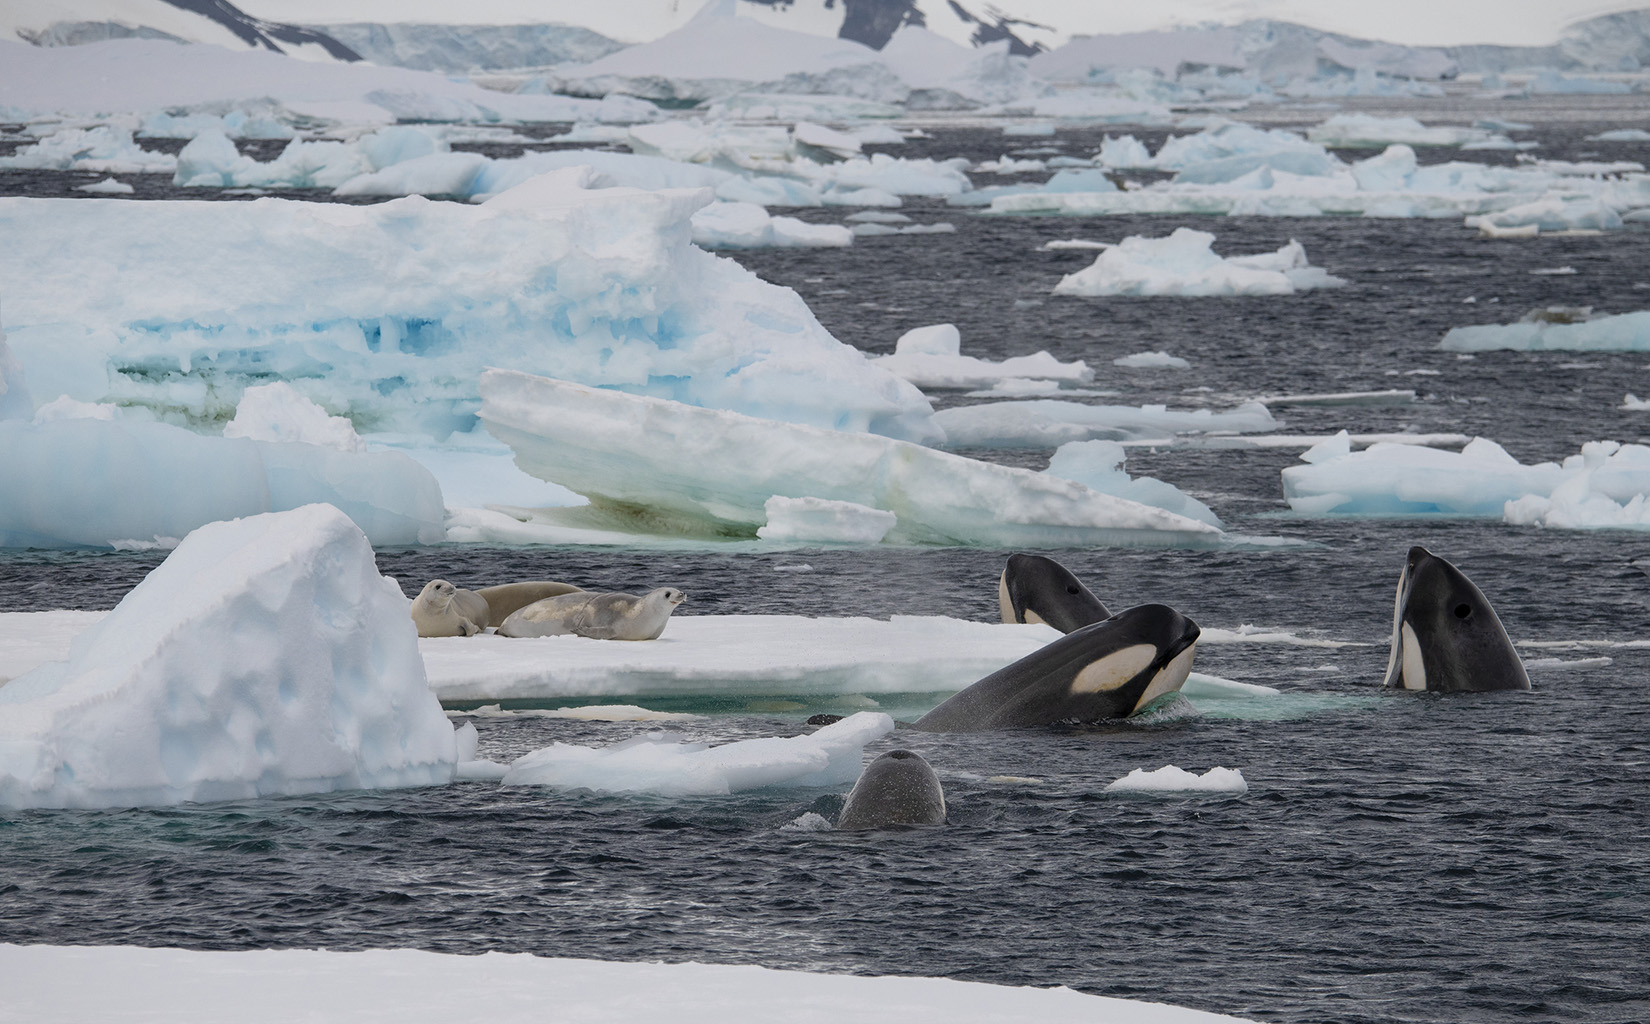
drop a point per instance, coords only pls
(266, 656)
(712, 472)
(1048, 423)
(361, 309)
(1184, 264)
(931, 357)
(1546, 331)
(663, 764)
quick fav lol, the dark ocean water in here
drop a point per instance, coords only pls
(1397, 857)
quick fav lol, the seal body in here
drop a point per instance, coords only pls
(506, 598)
(599, 616)
(1035, 588)
(1110, 669)
(442, 609)
(898, 788)
(1445, 635)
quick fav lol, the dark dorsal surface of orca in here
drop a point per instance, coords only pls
(1107, 670)
(1445, 635)
(1035, 588)
(898, 788)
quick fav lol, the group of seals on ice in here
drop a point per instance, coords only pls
(542, 608)
(1445, 638)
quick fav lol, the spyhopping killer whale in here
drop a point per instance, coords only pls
(1110, 669)
(1034, 588)
(1445, 635)
(898, 788)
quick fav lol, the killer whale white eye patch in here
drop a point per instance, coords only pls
(1115, 669)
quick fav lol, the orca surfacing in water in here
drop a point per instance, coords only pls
(1445, 635)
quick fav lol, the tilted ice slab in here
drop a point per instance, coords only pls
(179, 306)
(661, 763)
(714, 471)
(146, 75)
(1606, 485)
(73, 984)
(1185, 264)
(1047, 423)
(1627, 332)
(931, 357)
(1099, 465)
(265, 656)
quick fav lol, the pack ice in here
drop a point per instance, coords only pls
(265, 656)
(712, 472)
(1185, 263)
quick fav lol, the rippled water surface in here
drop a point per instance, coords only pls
(1396, 858)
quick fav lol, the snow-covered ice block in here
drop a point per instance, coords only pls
(714, 470)
(931, 357)
(817, 520)
(748, 226)
(360, 308)
(1174, 779)
(1151, 361)
(1099, 465)
(105, 148)
(1626, 332)
(265, 656)
(79, 482)
(1185, 264)
(1041, 423)
(664, 764)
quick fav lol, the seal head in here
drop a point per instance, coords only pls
(898, 788)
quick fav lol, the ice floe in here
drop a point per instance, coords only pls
(709, 471)
(931, 357)
(1185, 264)
(1174, 779)
(1564, 329)
(749, 226)
(1099, 465)
(1048, 423)
(265, 656)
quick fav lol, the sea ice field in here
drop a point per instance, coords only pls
(1272, 376)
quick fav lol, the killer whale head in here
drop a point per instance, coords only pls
(1445, 635)
(1035, 588)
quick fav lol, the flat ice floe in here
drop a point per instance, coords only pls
(1606, 485)
(712, 472)
(1565, 330)
(1184, 263)
(137, 985)
(1172, 779)
(178, 306)
(931, 357)
(197, 687)
(1048, 423)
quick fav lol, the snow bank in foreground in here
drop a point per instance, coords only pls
(265, 656)
(1048, 423)
(1174, 779)
(662, 763)
(181, 305)
(1184, 264)
(712, 471)
(1606, 485)
(931, 357)
(72, 984)
(1547, 330)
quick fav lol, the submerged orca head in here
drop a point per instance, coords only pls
(1035, 588)
(1445, 635)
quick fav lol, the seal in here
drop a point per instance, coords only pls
(1034, 588)
(898, 788)
(1110, 669)
(443, 609)
(599, 616)
(1445, 635)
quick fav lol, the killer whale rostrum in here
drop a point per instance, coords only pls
(1445, 635)
(1036, 588)
(1106, 670)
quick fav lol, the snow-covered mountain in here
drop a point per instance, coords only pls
(71, 22)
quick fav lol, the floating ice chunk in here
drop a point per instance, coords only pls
(1621, 135)
(659, 763)
(1633, 403)
(1184, 264)
(1550, 213)
(265, 656)
(810, 138)
(1099, 465)
(1548, 82)
(1347, 131)
(106, 148)
(1124, 153)
(1049, 423)
(107, 187)
(707, 470)
(1388, 172)
(817, 520)
(436, 174)
(1627, 332)
(930, 357)
(1151, 361)
(1389, 396)
(1173, 779)
(278, 412)
(748, 226)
